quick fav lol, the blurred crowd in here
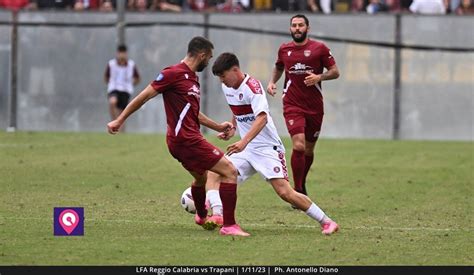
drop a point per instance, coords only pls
(460, 7)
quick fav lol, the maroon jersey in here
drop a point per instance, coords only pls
(181, 95)
(298, 61)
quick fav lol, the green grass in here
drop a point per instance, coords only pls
(398, 203)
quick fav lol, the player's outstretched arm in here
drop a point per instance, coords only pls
(145, 95)
(276, 74)
(257, 126)
(209, 123)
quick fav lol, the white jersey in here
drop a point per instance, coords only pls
(121, 77)
(246, 102)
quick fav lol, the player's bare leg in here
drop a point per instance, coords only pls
(283, 189)
(113, 110)
(298, 161)
(228, 193)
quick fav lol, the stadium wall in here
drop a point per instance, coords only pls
(62, 58)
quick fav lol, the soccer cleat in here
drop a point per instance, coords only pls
(329, 228)
(199, 220)
(213, 222)
(233, 230)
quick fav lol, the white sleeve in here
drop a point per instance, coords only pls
(259, 103)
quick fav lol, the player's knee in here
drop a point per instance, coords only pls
(298, 147)
(230, 172)
(113, 101)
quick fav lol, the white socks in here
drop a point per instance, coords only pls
(316, 213)
(215, 202)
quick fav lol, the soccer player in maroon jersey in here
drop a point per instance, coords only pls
(179, 85)
(303, 61)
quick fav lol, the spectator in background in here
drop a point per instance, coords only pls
(80, 5)
(14, 4)
(121, 75)
(466, 8)
(376, 6)
(168, 5)
(139, 5)
(51, 4)
(326, 6)
(202, 5)
(428, 7)
(393, 5)
(107, 6)
(357, 6)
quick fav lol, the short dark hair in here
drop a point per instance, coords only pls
(224, 62)
(121, 48)
(199, 44)
(300, 16)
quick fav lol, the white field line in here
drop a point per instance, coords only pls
(374, 228)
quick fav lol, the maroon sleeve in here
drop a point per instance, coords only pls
(135, 72)
(163, 81)
(279, 63)
(327, 58)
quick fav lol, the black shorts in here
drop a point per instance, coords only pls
(122, 98)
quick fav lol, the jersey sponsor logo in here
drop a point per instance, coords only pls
(291, 122)
(246, 118)
(254, 85)
(194, 90)
(229, 95)
(159, 77)
(300, 68)
(307, 53)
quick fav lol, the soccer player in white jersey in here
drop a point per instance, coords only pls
(121, 75)
(260, 148)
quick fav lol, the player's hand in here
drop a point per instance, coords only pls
(271, 88)
(312, 79)
(237, 147)
(225, 126)
(227, 134)
(114, 126)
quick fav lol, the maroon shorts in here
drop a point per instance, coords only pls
(299, 122)
(196, 156)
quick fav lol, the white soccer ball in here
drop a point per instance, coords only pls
(187, 201)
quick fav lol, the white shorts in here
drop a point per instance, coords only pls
(270, 163)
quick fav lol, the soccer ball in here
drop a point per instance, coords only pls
(187, 201)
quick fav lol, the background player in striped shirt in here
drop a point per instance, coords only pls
(260, 149)
(303, 60)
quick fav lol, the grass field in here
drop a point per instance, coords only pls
(398, 203)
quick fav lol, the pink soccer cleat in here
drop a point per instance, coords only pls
(329, 228)
(199, 220)
(233, 230)
(213, 222)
